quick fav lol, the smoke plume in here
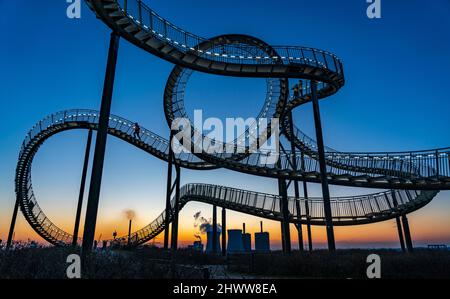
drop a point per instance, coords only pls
(129, 214)
(204, 225)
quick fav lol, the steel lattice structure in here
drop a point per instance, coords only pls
(412, 178)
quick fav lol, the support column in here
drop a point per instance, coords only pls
(406, 230)
(285, 225)
(100, 147)
(214, 231)
(224, 232)
(296, 187)
(299, 225)
(176, 211)
(308, 216)
(399, 223)
(82, 189)
(323, 168)
(168, 196)
(13, 224)
(400, 234)
(307, 211)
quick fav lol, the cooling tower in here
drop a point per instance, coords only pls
(235, 244)
(262, 241)
(247, 242)
(209, 244)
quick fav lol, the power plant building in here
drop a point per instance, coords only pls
(247, 242)
(209, 244)
(262, 241)
(235, 241)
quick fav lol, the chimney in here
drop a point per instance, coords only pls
(262, 230)
(243, 228)
(129, 233)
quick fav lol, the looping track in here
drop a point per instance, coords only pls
(244, 56)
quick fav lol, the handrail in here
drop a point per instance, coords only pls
(185, 41)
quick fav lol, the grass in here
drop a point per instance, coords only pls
(152, 263)
(422, 264)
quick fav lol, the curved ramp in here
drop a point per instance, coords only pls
(346, 211)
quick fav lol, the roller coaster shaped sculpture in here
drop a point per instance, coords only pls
(412, 178)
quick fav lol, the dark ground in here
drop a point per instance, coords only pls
(151, 263)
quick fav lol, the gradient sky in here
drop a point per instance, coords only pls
(396, 98)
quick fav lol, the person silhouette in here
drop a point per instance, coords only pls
(296, 91)
(137, 131)
(300, 87)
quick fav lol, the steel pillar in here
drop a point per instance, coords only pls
(306, 196)
(407, 231)
(296, 188)
(400, 234)
(299, 225)
(168, 196)
(13, 224)
(399, 223)
(224, 232)
(100, 146)
(214, 231)
(323, 168)
(82, 189)
(176, 210)
(284, 208)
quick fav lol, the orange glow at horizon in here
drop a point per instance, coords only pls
(377, 235)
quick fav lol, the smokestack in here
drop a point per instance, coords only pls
(262, 230)
(129, 232)
(243, 228)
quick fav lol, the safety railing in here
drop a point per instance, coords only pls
(343, 208)
(185, 42)
(156, 142)
(430, 164)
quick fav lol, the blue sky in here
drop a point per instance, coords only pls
(396, 95)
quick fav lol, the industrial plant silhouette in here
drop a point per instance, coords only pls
(412, 179)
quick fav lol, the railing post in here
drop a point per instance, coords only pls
(100, 147)
(140, 11)
(323, 169)
(82, 189)
(152, 26)
(437, 165)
